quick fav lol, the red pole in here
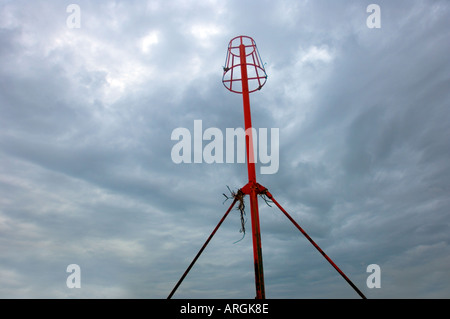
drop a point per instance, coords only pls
(316, 246)
(201, 249)
(256, 231)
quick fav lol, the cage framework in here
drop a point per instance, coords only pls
(244, 73)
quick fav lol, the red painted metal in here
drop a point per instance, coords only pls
(269, 195)
(242, 58)
(256, 77)
(244, 48)
(201, 249)
(256, 231)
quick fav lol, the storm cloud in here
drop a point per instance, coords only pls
(86, 175)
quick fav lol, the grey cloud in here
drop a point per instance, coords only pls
(86, 117)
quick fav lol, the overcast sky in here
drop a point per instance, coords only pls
(87, 178)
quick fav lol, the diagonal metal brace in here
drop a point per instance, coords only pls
(201, 250)
(269, 195)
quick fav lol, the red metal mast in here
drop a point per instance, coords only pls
(240, 50)
(256, 231)
(244, 73)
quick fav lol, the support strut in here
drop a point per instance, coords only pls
(202, 249)
(269, 195)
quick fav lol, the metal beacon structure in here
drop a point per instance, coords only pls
(244, 73)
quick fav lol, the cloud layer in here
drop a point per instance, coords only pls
(86, 176)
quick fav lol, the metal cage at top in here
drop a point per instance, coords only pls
(256, 74)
